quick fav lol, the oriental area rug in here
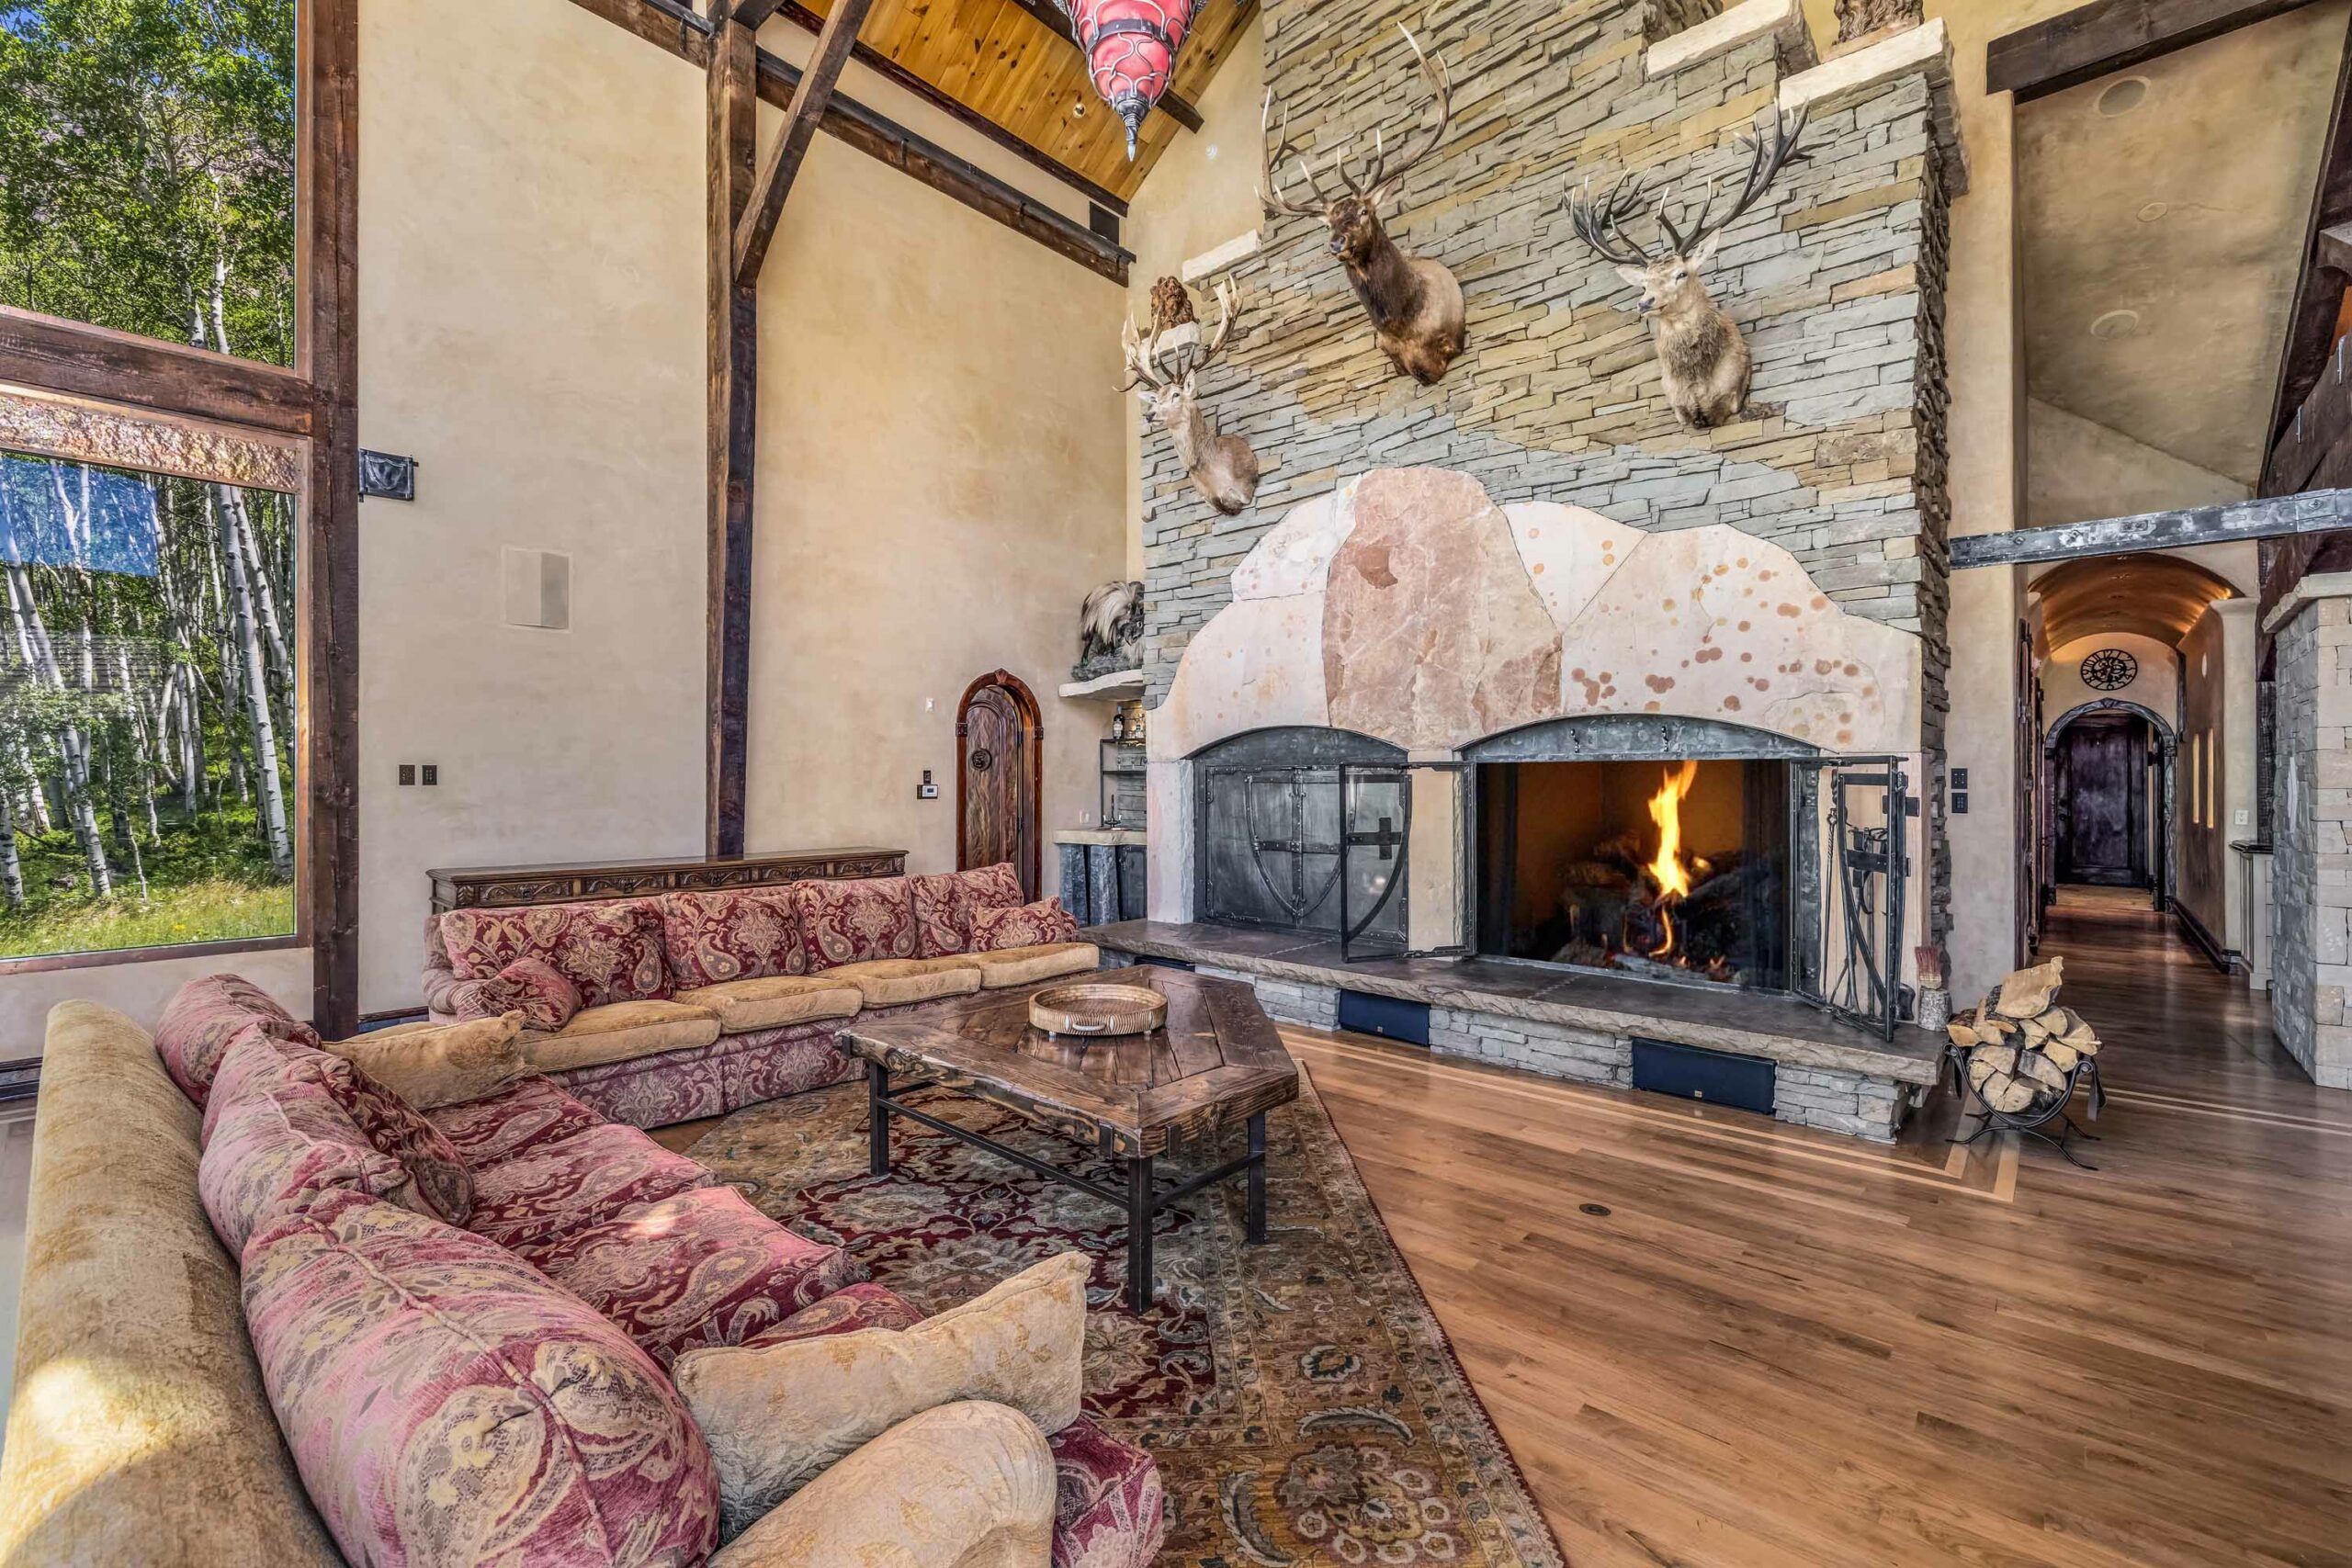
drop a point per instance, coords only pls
(1302, 1400)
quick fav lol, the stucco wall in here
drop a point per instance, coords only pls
(2077, 470)
(531, 323)
(2217, 724)
(2156, 687)
(939, 486)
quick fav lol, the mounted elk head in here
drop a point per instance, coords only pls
(1702, 358)
(1223, 468)
(1414, 305)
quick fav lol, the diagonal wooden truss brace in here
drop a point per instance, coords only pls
(834, 41)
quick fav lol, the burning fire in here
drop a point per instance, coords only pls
(1669, 870)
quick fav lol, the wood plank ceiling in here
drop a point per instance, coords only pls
(1001, 62)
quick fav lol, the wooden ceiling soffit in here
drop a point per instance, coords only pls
(2091, 41)
(959, 111)
(81, 431)
(679, 31)
(1014, 68)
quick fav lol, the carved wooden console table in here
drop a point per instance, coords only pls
(501, 886)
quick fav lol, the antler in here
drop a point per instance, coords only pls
(1142, 352)
(1378, 182)
(1270, 182)
(1765, 165)
(1139, 353)
(1600, 224)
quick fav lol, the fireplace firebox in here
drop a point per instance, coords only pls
(1662, 848)
(1675, 870)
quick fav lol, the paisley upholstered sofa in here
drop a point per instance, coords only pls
(684, 1005)
(274, 1314)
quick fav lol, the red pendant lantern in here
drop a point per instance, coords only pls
(1130, 48)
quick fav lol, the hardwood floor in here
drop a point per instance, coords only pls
(1781, 1349)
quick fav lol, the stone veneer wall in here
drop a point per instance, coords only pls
(1837, 280)
(2311, 955)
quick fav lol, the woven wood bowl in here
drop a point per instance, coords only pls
(1098, 1011)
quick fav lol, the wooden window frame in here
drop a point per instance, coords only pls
(316, 403)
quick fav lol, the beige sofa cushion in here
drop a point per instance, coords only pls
(967, 1485)
(773, 1001)
(138, 1431)
(893, 982)
(777, 1416)
(1019, 966)
(620, 1032)
(431, 1065)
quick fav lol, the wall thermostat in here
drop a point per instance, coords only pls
(926, 790)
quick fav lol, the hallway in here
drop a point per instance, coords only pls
(1719, 1342)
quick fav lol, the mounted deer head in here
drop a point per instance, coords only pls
(1701, 354)
(1414, 305)
(1223, 468)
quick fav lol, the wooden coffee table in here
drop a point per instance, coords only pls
(1218, 1062)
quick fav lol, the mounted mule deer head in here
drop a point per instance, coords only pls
(1414, 305)
(1701, 354)
(1223, 468)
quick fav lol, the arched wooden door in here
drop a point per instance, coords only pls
(999, 774)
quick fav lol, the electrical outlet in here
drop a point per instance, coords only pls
(2245, 819)
(432, 772)
(408, 772)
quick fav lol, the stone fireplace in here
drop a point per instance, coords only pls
(1417, 702)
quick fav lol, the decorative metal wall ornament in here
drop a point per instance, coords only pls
(2110, 670)
(1130, 48)
(387, 476)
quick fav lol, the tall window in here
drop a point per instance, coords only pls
(147, 168)
(148, 698)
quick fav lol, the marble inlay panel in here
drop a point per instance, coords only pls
(1422, 614)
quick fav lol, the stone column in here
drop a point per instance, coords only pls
(1168, 820)
(2311, 854)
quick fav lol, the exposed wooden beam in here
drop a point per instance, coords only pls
(959, 111)
(801, 117)
(1049, 16)
(58, 356)
(2320, 279)
(327, 565)
(732, 97)
(2109, 35)
(2273, 517)
(682, 33)
(753, 14)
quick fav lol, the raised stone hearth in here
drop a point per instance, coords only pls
(1827, 1075)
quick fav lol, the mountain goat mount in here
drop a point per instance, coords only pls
(1701, 354)
(1223, 468)
(1415, 304)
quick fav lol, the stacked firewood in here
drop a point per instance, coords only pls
(2022, 1046)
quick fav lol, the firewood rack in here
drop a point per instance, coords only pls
(2034, 1122)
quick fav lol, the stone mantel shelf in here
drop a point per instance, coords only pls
(1116, 838)
(1717, 1019)
(1117, 684)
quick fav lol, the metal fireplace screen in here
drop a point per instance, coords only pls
(1305, 830)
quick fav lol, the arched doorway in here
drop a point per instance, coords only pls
(2108, 820)
(1000, 775)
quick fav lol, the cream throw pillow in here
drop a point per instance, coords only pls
(435, 1065)
(777, 1416)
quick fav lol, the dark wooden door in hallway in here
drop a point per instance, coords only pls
(2102, 802)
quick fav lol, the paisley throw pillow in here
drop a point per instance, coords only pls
(1030, 925)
